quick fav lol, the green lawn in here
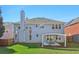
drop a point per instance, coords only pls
(36, 49)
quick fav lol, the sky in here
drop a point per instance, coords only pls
(65, 13)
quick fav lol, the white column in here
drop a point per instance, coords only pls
(65, 41)
(42, 40)
(22, 28)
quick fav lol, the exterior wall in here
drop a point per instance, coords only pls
(72, 31)
(9, 32)
(39, 31)
(30, 33)
(8, 35)
(16, 32)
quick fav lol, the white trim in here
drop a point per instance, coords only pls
(42, 40)
(54, 34)
(65, 41)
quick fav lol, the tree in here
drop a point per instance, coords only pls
(2, 28)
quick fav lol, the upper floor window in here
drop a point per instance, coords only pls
(30, 28)
(42, 27)
(52, 26)
(26, 27)
(36, 25)
(37, 35)
(59, 26)
(56, 26)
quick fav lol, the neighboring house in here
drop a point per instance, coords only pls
(8, 35)
(72, 30)
(37, 29)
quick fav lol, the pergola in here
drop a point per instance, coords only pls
(44, 37)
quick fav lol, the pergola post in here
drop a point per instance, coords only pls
(65, 41)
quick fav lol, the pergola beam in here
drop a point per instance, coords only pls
(54, 34)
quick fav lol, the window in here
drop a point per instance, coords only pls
(15, 35)
(47, 37)
(59, 26)
(29, 27)
(19, 27)
(59, 37)
(26, 27)
(36, 35)
(42, 27)
(56, 37)
(56, 26)
(36, 25)
(52, 26)
(30, 36)
(7, 31)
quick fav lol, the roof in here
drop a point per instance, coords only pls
(37, 20)
(73, 21)
(42, 20)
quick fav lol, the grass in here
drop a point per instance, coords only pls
(36, 49)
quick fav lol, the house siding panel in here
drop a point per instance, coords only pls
(72, 32)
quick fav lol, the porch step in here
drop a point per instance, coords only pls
(52, 44)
